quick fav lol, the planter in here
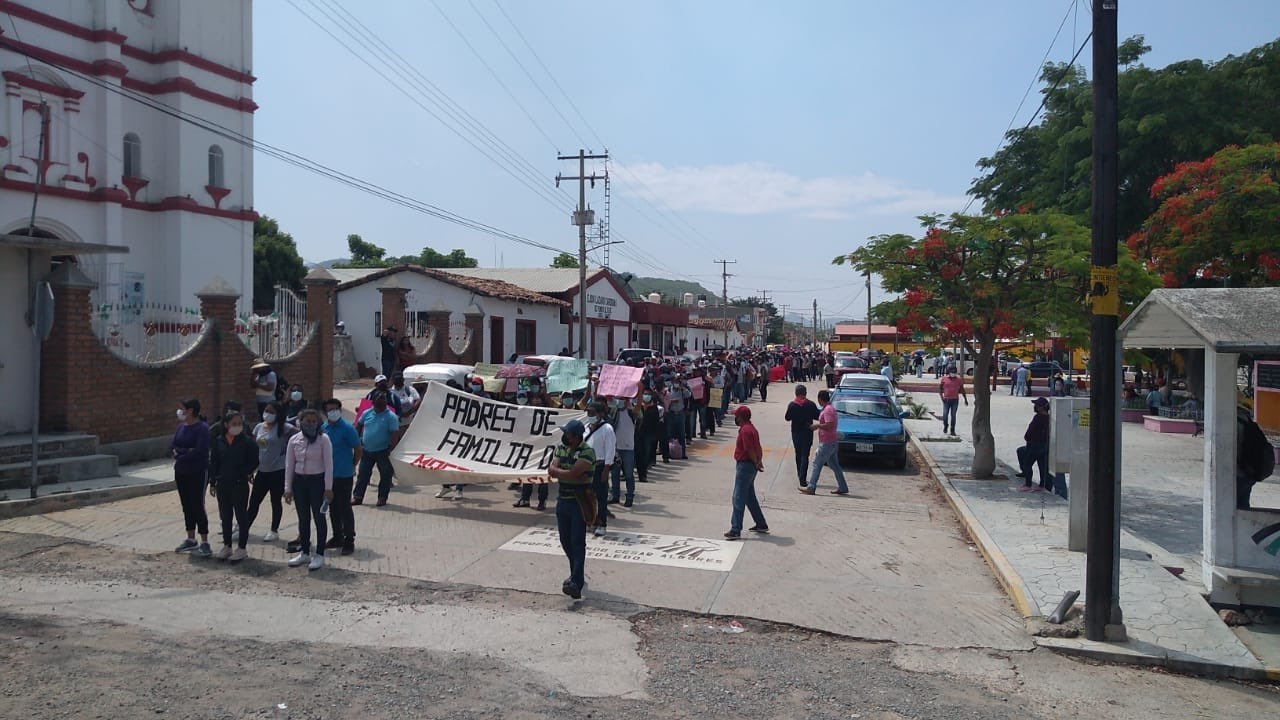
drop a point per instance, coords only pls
(1133, 415)
(1175, 426)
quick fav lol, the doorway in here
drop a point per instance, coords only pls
(497, 331)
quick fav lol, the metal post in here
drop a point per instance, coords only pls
(1103, 620)
(869, 348)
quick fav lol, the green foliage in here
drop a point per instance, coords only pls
(918, 411)
(275, 262)
(1217, 222)
(364, 254)
(457, 258)
(564, 260)
(1186, 111)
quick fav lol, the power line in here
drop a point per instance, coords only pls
(285, 155)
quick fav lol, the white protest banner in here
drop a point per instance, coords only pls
(619, 381)
(566, 375)
(457, 437)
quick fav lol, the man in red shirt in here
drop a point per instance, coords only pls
(951, 389)
(748, 457)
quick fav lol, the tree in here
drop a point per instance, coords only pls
(275, 262)
(1217, 222)
(564, 260)
(364, 254)
(973, 279)
(455, 259)
(1183, 112)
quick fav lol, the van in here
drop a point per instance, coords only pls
(636, 356)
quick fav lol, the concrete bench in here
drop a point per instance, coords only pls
(1181, 426)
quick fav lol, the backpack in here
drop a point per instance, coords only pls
(282, 387)
(1256, 451)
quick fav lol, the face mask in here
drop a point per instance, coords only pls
(619, 404)
(522, 399)
(567, 402)
(235, 429)
(334, 415)
(648, 397)
(310, 429)
(477, 389)
(182, 414)
(379, 407)
(268, 418)
(295, 396)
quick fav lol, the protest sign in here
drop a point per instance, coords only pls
(717, 397)
(566, 375)
(619, 381)
(489, 372)
(461, 438)
(695, 387)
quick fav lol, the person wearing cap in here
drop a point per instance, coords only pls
(378, 427)
(604, 444)
(409, 397)
(1036, 450)
(263, 383)
(802, 414)
(576, 503)
(388, 342)
(380, 387)
(748, 458)
(951, 389)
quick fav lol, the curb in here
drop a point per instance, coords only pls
(82, 498)
(996, 560)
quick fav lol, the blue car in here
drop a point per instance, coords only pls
(869, 424)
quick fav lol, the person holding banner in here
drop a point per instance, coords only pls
(604, 443)
(576, 506)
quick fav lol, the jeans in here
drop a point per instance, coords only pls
(308, 498)
(744, 497)
(191, 495)
(1038, 455)
(381, 458)
(691, 420)
(764, 391)
(707, 417)
(949, 410)
(270, 482)
(740, 391)
(803, 442)
(600, 484)
(341, 516)
(644, 454)
(526, 492)
(675, 429)
(573, 539)
(233, 501)
(724, 401)
(1020, 387)
(624, 470)
(828, 455)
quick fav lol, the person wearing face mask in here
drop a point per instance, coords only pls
(271, 437)
(646, 434)
(408, 395)
(576, 507)
(380, 386)
(378, 427)
(232, 461)
(308, 475)
(526, 489)
(625, 469)
(294, 404)
(190, 452)
(346, 454)
(263, 382)
(604, 442)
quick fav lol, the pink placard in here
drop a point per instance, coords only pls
(619, 381)
(695, 388)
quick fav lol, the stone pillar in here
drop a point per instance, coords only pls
(321, 295)
(438, 321)
(394, 303)
(228, 375)
(68, 356)
(475, 323)
(1219, 469)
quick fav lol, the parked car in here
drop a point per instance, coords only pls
(846, 365)
(869, 381)
(636, 356)
(1043, 369)
(869, 424)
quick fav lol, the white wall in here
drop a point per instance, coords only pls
(604, 302)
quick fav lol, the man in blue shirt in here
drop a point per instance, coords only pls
(346, 453)
(378, 428)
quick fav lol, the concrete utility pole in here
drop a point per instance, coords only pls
(582, 218)
(724, 309)
(783, 330)
(762, 327)
(815, 322)
(1102, 617)
(869, 311)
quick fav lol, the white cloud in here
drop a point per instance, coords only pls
(756, 188)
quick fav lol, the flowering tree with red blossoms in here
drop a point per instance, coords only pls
(1218, 222)
(971, 280)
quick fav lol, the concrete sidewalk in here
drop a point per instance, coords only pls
(133, 481)
(1023, 536)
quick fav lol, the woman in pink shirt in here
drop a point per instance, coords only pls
(308, 476)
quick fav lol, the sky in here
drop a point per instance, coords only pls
(777, 134)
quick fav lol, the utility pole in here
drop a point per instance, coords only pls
(582, 217)
(1102, 617)
(815, 323)
(869, 348)
(762, 326)
(724, 309)
(783, 329)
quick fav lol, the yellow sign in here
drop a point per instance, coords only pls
(1104, 289)
(1084, 417)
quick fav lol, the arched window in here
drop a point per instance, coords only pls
(132, 155)
(215, 166)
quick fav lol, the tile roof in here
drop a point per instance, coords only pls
(542, 280)
(494, 288)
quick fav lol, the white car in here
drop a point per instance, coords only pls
(869, 381)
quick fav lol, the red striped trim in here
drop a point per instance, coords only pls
(176, 55)
(120, 197)
(44, 87)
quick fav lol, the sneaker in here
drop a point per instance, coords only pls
(348, 548)
(457, 493)
(204, 550)
(520, 503)
(839, 492)
(807, 491)
(271, 536)
(360, 500)
(382, 502)
(187, 546)
(302, 558)
(239, 554)
(762, 529)
(731, 535)
(542, 505)
(572, 590)
(317, 562)
(444, 492)
(224, 553)
(333, 543)
(628, 502)
(600, 531)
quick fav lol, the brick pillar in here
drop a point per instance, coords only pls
(67, 357)
(321, 294)
(438, 320)
(393, 306)
(228, 375)
(475, 323)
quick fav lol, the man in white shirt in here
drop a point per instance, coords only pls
(625, 469)
(604, 442)
(409, 396)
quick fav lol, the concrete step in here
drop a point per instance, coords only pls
(14, 476)
(17, 448)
